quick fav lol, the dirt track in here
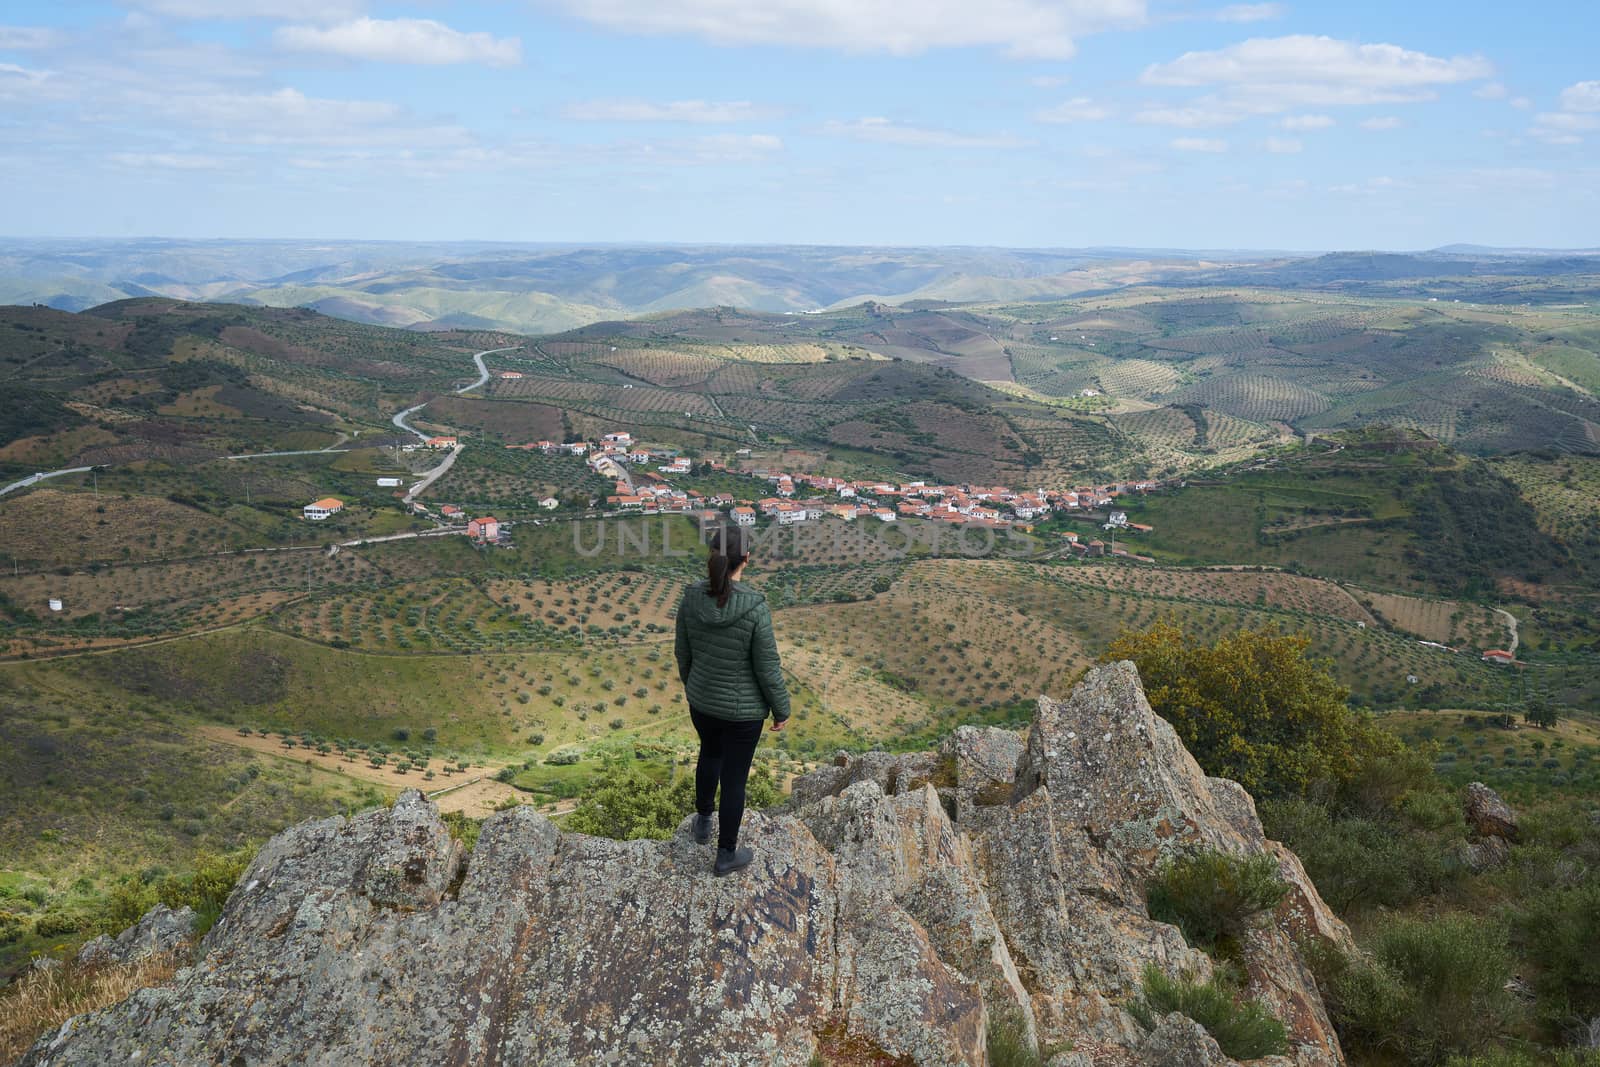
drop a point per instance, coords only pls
(474, 793)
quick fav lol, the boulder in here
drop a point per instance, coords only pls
(1487, 814)
(1486, 853)
(896, 905)
(161, 930)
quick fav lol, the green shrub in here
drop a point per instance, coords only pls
(1430, 988)
(1519, 1058)
(1212, 896)
(56, 923)
(1244, 1029)
(1255, 708)
(1360, 863)
(1559, 931)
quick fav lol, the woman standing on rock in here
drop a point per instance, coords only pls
(728, 661)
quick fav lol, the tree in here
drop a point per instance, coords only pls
(1539, 710)
(1254, 708)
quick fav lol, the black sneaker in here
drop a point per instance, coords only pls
(732, 859)
(702, 829)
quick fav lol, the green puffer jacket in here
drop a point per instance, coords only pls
(727, 657)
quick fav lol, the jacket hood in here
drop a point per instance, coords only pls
(701, 609)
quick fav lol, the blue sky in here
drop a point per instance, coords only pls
(1062, 123)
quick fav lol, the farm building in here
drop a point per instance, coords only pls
(1499, 655)
(485, 529)
(321, 509)
(449, 511)
(510, 375)
(389, 483)
(442, 442)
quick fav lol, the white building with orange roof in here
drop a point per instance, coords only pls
(318, 510)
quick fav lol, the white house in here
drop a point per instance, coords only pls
(389, 483)
(744, 516)
(549, 503)
(321, 509)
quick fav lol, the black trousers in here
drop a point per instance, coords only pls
(726, 749)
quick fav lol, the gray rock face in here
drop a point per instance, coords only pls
(161, 930)
(1487, 814)
(872, 915)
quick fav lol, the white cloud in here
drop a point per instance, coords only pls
(1199, 144)
(1189, 118)
(885, 131)
(1043, 29)
(1078, 109)
(289, 117)
(287, 10)
(1048, 81)
(1382, 122)
(1579, 114)
(700, 111)
(1491, 91)
(1278, 72)
(1521, 103)
(1282, 146)
(167, 161)
(402, 41)
(1567, 120)
(1250, 13)
(1307, 122)
(1584, 96)
(16, 81)
(19, 38)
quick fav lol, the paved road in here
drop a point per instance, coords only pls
(307, 452)
(400, 420)
(33, 479)
(1511, 627)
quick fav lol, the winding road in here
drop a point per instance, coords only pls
(400, 421)
(35, 478)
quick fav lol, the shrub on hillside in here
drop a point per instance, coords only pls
(1244, 1029)
(1430, 988)
(1559, 931)
(205, 888)
(1519, 1058)
(1359, 863)
(1214, 897)
(1254, 708)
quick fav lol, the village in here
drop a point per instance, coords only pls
(795, 498)
(800, 498)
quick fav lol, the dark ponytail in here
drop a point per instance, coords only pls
(727, 553)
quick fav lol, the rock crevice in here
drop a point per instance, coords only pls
(903, 901)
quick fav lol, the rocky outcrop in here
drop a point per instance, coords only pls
(897, 906)
(162, 930)
(1487, 814)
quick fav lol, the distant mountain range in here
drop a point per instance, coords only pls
(549, 288)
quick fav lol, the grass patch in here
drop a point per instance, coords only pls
(1243, 1028)
(42, 1000)
(1214, 897)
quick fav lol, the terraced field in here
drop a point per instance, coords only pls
(1471, 627)
(1565, 492)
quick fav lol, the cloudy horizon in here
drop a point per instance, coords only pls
(1028, 123)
